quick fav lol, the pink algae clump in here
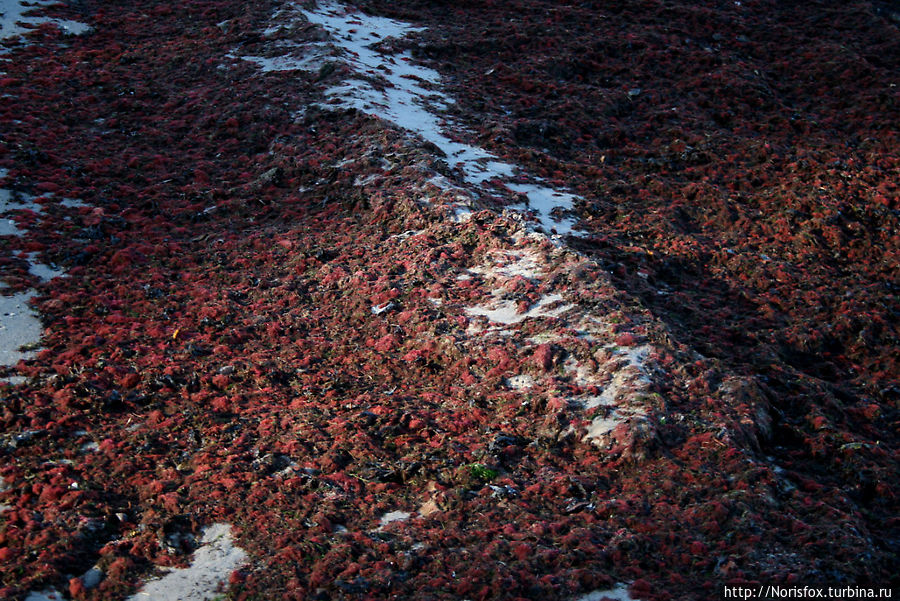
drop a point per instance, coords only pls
(543, 357)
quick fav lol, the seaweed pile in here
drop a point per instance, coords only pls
(378, 354)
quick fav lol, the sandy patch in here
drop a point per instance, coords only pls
(213, 563)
